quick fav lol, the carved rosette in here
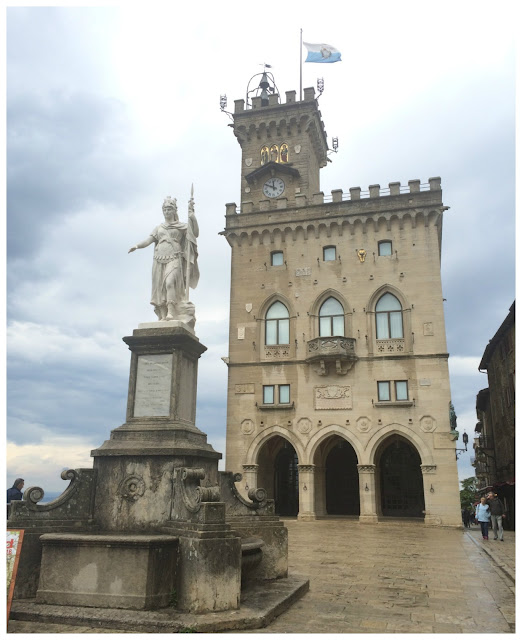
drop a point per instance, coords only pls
(428, 468)
(366, 468)
(132, 487)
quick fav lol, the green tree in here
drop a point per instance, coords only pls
(468, 491)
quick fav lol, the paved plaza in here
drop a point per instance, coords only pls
(394, 577)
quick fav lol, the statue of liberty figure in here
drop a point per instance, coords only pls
(175, 263)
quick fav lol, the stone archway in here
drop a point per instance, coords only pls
(278, 473)
(342, 480)
(400, 482)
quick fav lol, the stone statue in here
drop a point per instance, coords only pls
(175, 263)
(452, 417)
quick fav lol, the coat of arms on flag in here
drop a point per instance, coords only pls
(322, 53)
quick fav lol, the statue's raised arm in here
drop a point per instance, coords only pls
(174, 267)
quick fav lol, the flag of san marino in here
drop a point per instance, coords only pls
(322, 53)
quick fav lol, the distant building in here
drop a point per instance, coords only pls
(338, 383)
(495, 442)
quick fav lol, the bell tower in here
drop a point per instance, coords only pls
(283, 147)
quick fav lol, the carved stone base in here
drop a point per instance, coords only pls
(368, 519)
(307, 516)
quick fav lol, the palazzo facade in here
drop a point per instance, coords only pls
(338, 382)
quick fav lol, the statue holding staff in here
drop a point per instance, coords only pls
(175, 263)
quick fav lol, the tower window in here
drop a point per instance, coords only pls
(401, 389)
(331, 318)
(388, 317)
(276, 258)
(268, 394)
(385, 248)
(383, 391)
(277, 325)
(328, 253)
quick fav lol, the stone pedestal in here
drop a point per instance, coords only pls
(136, 467)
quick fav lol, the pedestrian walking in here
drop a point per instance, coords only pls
(465, 517)
(498, 513)
(482, 515)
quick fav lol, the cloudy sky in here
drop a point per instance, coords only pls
(109, 110)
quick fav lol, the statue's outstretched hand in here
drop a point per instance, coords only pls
(133, 248)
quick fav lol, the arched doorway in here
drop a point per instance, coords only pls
(342, 480)
(401, 485)
(286, 481)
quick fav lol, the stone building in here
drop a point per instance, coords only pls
(494, 444)
(338, 383)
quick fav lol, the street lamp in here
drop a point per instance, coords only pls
(465, 441)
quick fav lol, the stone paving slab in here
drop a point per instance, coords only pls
(386, 578)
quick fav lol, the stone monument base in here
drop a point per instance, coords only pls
(261, 603)
(108, 571)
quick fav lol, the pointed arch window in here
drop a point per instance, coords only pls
(277, 324)
(388, 317)
(331, 318)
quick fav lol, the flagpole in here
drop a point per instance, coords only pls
(301, 68)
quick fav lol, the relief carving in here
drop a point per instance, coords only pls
(132, 487)
(303, 271)
(307, 468)
(428, 328)
(428, 468)
(245, 388)
(333, 397)
(428, 424)
(247, 427)
(364, 424)
(304, 425)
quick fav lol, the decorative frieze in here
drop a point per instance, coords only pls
(306, 468)
(394, 345)
(250, 467)
(366, 468)
(428, 468)
(277, 352)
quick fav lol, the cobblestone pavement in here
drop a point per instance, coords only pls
(394, 577)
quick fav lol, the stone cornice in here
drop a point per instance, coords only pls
(271, 363)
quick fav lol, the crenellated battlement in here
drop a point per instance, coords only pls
(274, 100)
(354, 194)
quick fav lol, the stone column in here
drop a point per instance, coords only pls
(250, 477)
(367, 494)
(428, 475)
(320, 491)
(306, 492)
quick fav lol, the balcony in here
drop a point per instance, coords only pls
(335, 351)
(485, 442)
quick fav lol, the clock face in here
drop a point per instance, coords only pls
(273, 187)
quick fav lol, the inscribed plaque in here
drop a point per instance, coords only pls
(153, 383)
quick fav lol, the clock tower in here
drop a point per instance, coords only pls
(338, 384)
(283, 146)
